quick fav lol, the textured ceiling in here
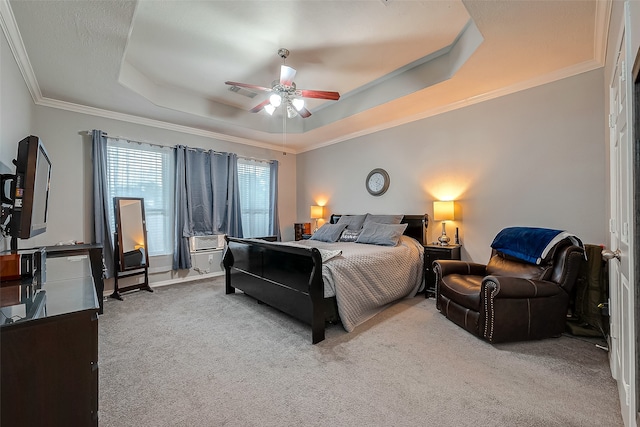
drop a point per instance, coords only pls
(164, 63)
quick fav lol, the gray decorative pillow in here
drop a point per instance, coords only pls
(328, 232)
(354, 222)
(349, 235)
(383, 219)
(381, 234)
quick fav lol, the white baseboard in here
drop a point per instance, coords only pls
(175, 281)
(187, 279)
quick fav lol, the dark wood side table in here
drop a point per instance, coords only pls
(301, 229)
(432, 253)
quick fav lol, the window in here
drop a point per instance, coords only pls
(141, 170)
(254, 184)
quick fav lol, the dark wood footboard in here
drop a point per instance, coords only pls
(289, 278)
(284, 277)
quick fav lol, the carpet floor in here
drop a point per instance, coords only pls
(189, 355)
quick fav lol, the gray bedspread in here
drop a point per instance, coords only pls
(366, 278)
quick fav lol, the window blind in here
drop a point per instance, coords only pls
(254, 188)
(147, 171)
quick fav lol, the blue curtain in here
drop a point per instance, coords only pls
(181, 254)
(220, 180)
(226, 194)
(274, 218)
(207, 199)
(101, 231)
(199, 193)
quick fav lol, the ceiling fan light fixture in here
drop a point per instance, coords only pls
(269, 109)
(291, 113)
(283, 91)
(298, 103)
(275, 100)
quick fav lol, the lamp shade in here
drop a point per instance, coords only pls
(317, 212)
(443, 210)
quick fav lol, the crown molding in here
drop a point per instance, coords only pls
(538, 81)
(528, 84)
(10, 29)
(601, 32)
(108, 114)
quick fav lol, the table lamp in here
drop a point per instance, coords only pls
(317, 212)
(443, 211)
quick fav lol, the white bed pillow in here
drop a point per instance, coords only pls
(381, 234)
(328, 232)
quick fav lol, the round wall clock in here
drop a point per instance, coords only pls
(377, 182)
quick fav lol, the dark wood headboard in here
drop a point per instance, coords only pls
(416, 228)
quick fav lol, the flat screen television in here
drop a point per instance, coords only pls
(30, 189)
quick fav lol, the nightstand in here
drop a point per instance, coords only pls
(300, 229)
(432, 253)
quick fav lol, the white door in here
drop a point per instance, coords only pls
(622, 339)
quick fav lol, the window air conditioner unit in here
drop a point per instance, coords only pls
(206, 243)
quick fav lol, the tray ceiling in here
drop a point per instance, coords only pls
(164, 63)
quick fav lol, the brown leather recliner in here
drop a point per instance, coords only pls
(509, 299)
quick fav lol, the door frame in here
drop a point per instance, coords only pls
(635, 135)
(631, 345)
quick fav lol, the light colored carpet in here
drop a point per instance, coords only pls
(189, 355)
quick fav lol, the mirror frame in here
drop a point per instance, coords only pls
(121, 270)
(118, 218)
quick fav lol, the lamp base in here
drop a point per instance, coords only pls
(444, 239)
(316, 228)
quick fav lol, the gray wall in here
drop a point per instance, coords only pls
(532, 158)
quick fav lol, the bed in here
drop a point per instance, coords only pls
(318, 282)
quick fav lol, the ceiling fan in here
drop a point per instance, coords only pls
(284, 92)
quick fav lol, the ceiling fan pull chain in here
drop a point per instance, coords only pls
(284, 134)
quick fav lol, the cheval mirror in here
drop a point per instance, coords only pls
(130, 244)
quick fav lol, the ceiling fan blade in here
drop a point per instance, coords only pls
(286, 75)
(248, 86)
(260, 106)
(320, 94)
(304, 113)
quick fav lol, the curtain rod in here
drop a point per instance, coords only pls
(131, 140)
(255, 159)
(217, 153)
(153, 144)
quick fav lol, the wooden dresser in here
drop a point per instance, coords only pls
(49, 351)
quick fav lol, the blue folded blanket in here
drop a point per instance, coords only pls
(530, 244)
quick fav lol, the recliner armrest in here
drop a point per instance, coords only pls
(516, 287)
(448, 266)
